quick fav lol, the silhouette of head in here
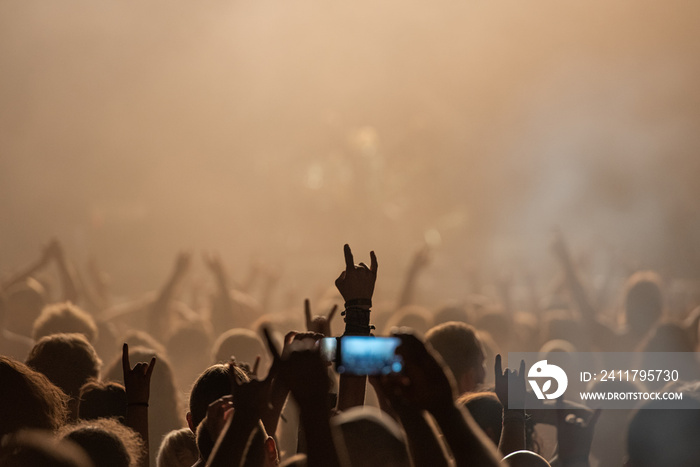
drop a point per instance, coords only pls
(178, 449)
(68, 360)
(107, 442)
(664, 436)
(40, 449)
(644, 302)
(64, 318)
(29, 399)
(371, 438)
(211, 385)
(461, 351)
(100, 399)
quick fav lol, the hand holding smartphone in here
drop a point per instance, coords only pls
(362, 355)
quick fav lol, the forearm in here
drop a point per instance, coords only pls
(91, 300)
(232, 442)
(68, 281)
(423, 444)
(99, 283)
(29, 271)
(351, 389)
(278, 398)
(407, 290)
(513, 432)
(469, 445)
(158, 320)
(137, 420)
(314, 420)
(576, 289)
(224, 304)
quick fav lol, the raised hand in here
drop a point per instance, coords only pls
(218, 413)
(425, 385)
(574, 435)
(318, 324)
(306, 373)
(214, 263)
(252, 372)
(419, 261)
(558, 245)
(357, 281)
(510, 383)
(249, 401)
(182, 263)
(421, 258)
(52, 250)
(249, 396)
(423, 382)
(137, 380)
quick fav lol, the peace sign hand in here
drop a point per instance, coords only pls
(137, 380)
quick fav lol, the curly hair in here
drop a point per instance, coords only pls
(68, 360)
(106, 441)
(29, 399)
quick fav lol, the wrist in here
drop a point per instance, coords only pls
(513, 416)
(364, 303)
(357, 321)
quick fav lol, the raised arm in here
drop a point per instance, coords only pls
(428, 387)
(137, 382)
(158, 319)
(95, 284)
(574, 437)
(573, 282)
(423, 444)
(419, 261)
(319, 323)
(224, 303)
(52, 251)
(249, 401)
(279, 389)
(356, 285)
(65, 272)
(307, 377)
(598, 332)
(511, 383)
(33, 268)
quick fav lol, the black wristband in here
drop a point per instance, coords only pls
(357, 302)
(357, 322)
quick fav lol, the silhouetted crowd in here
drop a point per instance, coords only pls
(179, 379)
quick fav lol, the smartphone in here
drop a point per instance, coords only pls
(362, 355)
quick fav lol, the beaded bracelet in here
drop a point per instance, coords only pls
(357, 302)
